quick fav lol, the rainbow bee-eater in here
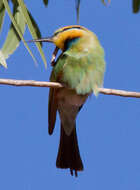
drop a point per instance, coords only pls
(80, 68)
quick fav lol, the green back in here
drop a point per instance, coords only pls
(81, 70)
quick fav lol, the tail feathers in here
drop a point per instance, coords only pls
(68, 154)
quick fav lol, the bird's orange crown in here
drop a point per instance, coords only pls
(67, 33)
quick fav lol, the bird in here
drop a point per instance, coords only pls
(80, 68)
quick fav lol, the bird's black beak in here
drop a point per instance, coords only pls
(42, 40)
(48, 40)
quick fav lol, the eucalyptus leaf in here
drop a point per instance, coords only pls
(38, 33)
(77, 10)
(3, 60)
(1, 3)
(2, 14)
(13, 39)
(136, 6)
(17, 27)
(31, 28)
(45, 2)
(106, 2)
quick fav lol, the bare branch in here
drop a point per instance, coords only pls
(123, 93)
(33, 83)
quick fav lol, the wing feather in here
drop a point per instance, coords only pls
(52, 110)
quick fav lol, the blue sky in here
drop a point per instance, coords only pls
(108, 126)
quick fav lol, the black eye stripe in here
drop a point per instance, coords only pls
(76, 27)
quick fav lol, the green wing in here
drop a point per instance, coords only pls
(83, 72)
(52, 110)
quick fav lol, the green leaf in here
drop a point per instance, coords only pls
(31, 28)
(13, 39)
(2, 60)
(17, 27)
(136, 6)
(2, 14)
(45, 2)
(77, 10)
(106, 3)
(38, 33)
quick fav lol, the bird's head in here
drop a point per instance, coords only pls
(63, 35)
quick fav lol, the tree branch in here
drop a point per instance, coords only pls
(33, 83)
